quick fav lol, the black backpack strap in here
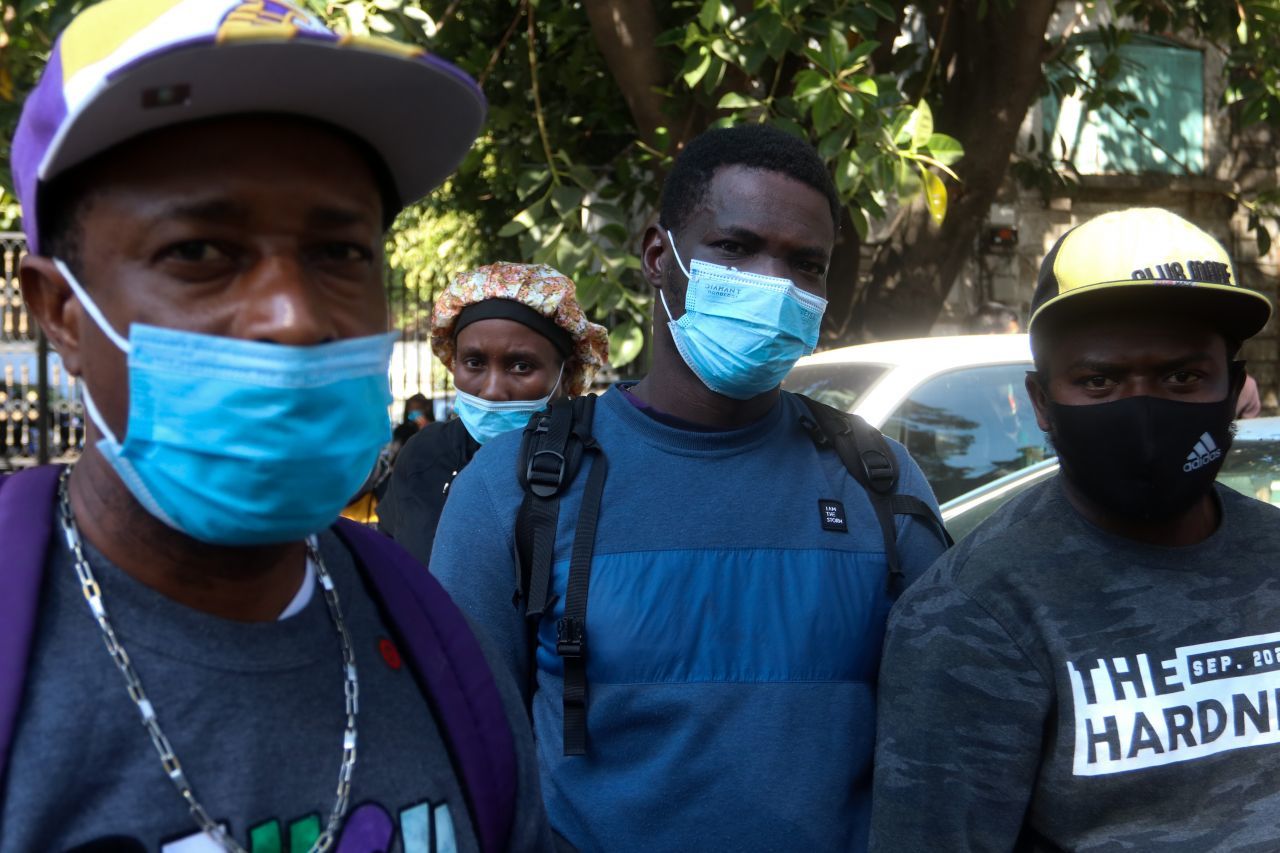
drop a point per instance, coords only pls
(551, 454)
(546, 466)
(544, 470)
(868, 458)
(912, 505)
(571, 630)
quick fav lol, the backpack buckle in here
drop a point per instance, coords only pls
(879, 469)
(545, 480)
(571, 637)
(815, 432)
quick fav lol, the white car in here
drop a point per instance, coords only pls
(958, 404)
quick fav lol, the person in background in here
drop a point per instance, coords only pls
(1095, 666)
(994, 318)
(418, 412)
(191, 643)
(363, 507)
(514, 337)
(1250, 404)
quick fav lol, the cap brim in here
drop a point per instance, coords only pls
(1238, 312)
(420, 114)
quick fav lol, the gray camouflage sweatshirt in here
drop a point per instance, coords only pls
(1049, 686)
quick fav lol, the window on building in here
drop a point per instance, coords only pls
(1166, 81)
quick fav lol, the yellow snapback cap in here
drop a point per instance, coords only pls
(1147, 252)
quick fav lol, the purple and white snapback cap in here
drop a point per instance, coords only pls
(125, 67)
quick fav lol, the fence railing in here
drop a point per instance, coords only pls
(41, 415)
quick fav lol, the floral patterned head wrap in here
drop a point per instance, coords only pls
(537, 287)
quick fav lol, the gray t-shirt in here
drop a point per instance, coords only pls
(255, 713)
(1049, 686)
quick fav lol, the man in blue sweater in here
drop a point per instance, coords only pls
(735, 629)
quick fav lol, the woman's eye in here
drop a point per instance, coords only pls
(521, 367)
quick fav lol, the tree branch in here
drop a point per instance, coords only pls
(537, 98)
(625, 32)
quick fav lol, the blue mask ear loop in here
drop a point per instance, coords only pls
(102, 323)
(94, 311)
(662, 294)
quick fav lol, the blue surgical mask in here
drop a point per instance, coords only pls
(741, 333)
(485, 419)
(239, 442)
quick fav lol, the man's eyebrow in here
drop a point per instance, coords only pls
(741, 234)
(219, 211)
(227, 212)
(1182, 361)
(1099, 365)
(746, 235)
(341, 217)
(812, 253)
(1096, 365)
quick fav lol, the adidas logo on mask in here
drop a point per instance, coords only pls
(1204, 452)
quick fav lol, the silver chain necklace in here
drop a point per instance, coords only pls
(172, 768)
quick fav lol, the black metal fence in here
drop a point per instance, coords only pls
(41, 416)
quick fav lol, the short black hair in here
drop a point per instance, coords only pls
(63, 204)
(755, 146)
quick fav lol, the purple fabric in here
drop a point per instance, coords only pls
(42, 115)
(367, 829)
(26, 523)
(452, 668)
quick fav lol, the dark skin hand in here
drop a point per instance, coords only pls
(1131, 355)
(757, 221)
(196, 228)
(502, 360)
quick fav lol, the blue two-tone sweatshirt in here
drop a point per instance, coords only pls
(733, 638)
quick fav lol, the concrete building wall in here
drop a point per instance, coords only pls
(1236, 164)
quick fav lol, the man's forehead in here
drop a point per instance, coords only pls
(1134, 335)
(203, 156)
(768, 203)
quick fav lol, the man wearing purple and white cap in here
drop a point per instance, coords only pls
(205, 185)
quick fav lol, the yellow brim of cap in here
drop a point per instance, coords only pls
(1238, 311)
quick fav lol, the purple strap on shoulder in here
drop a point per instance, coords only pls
(453, 669)
(26, 523)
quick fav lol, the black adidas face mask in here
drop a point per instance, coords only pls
(1143, 458)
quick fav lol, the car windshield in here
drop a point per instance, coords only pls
(838, 385)
(969, 426)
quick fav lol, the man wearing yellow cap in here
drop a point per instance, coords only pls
(195, 654)
(1095, 667)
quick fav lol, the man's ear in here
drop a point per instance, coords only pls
(51, 302)
(1039, 395)
(653, 256)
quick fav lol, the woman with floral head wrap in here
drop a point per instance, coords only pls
(514, 337)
